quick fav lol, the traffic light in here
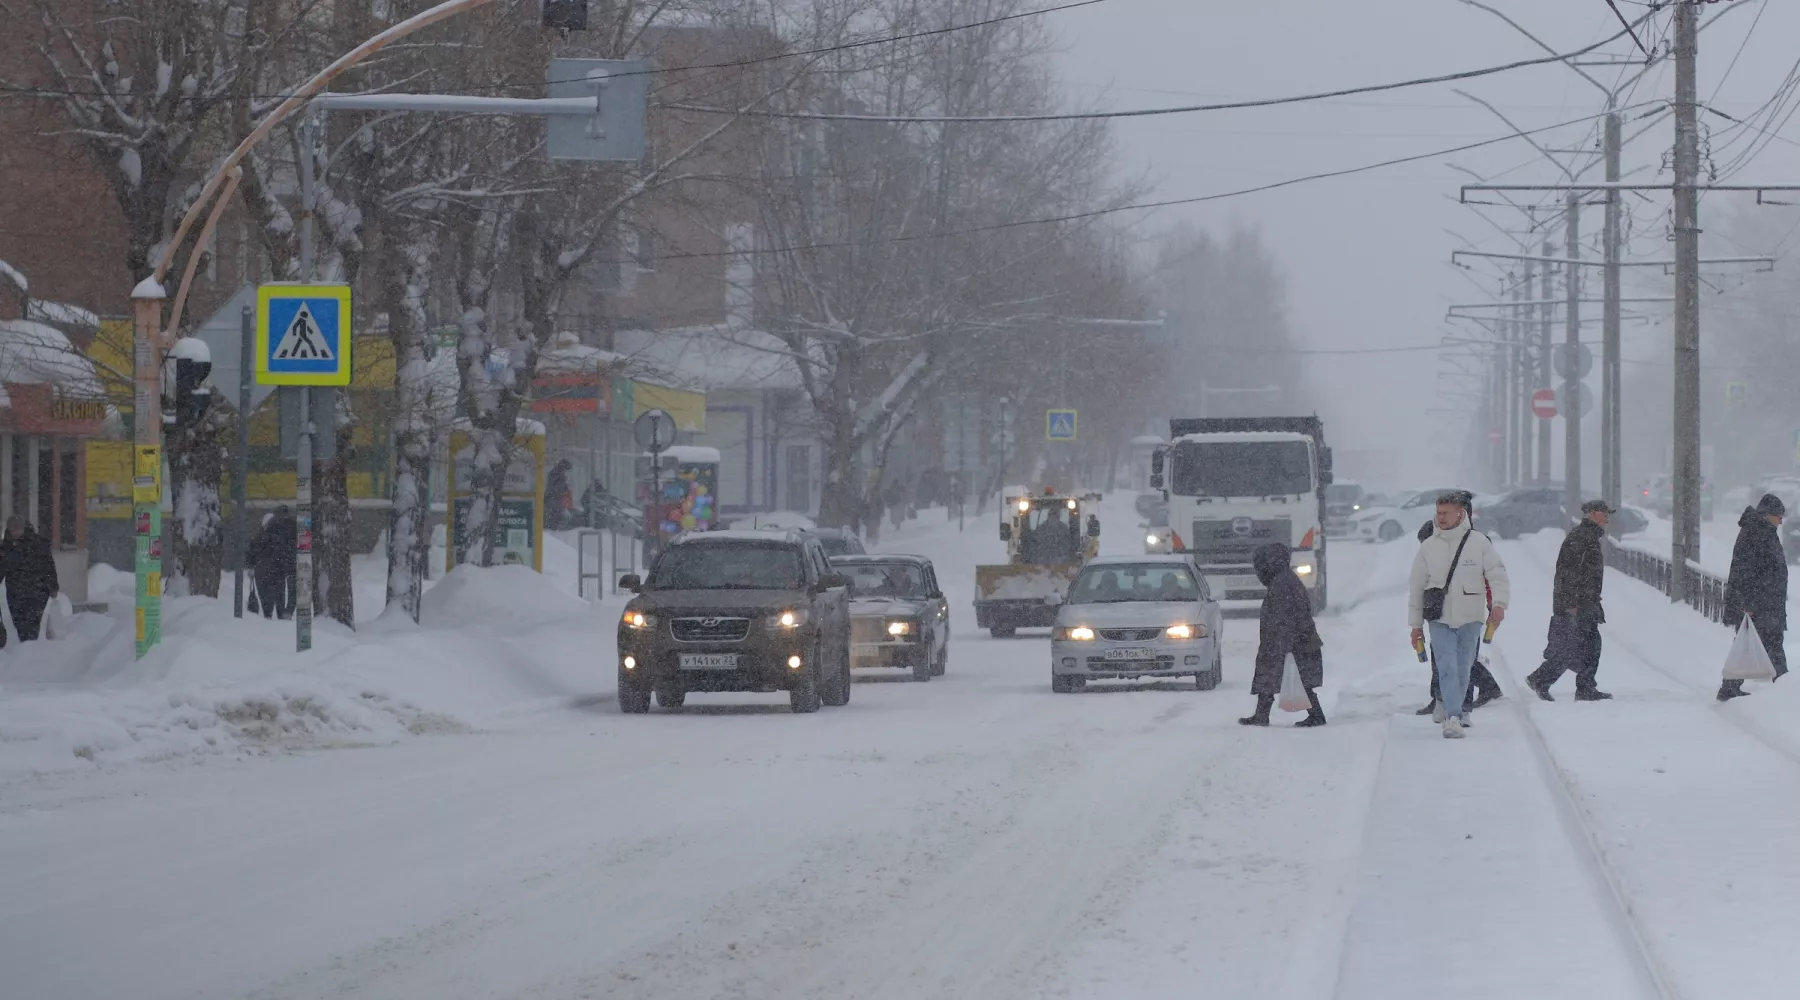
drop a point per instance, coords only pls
(566, 15)
(186, 396)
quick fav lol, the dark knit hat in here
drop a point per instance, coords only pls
(1771, 504)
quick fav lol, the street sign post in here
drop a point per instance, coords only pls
(617, 132)
(1543, 404)
(1584, 401)
(1059, 425)
(1572, 356)
(654, 431)
(303, 337)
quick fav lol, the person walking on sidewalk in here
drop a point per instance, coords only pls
(1757, 585)
(1287, 627)
(1451, 576)
(29, 571)
(1574, 640)
(1483, 688)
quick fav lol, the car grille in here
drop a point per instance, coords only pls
(868, 630)
(1222, 541)
(1102, 666)
(1129, 634)
(709, 629)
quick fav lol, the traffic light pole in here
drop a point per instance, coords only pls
(303, 455)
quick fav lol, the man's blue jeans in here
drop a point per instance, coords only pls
(1455, 650)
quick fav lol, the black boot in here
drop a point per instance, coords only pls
(1592, 694)
(1316, 717)
(1429, 706)
(1264, 702)
(1732, 689)
(1540, 684)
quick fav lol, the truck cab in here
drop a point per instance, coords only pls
(1236, 484)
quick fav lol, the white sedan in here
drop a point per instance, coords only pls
(1130, 617)
(1399, 519)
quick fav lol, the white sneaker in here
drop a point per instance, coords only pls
(1437, 712)
(1453, 729)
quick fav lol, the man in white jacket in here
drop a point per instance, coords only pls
(1456, 633)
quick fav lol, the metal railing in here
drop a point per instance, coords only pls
(1705, 591)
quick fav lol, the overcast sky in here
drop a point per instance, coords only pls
(1365, 256)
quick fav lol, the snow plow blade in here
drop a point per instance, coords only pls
(1009, 597)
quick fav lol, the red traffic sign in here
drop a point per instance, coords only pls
(1543, 404)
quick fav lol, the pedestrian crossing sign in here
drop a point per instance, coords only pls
(1059, 425)
(303, 334)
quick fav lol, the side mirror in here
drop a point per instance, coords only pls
(1006, 532)
(1053, 600)
(834, 580)
(1093, 526)
(630, 581)
(1156, 480)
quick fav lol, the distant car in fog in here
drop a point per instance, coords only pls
(1523, 512)
(1343, 499)
(1630, 521)
(1399, 519)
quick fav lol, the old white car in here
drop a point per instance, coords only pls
(1131, 617)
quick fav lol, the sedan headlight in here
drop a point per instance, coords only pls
(1185, 631)
(1304, 569)
(1078, 633)
(900, 628)
(638, 620)
(789, 619)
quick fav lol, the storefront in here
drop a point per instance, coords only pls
(51, 405)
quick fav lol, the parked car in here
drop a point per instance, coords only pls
(1523, 512)
(1158, 536)
(1629, 521)
(736, 611)
(899, 616)
(1402, 518)
(1129, 617)
(1660, 495)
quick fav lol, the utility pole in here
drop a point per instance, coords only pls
(1547, 289)
(1521, 339)
(1611, 479)
(1686, 474)
(1571, 394)
(303, 462)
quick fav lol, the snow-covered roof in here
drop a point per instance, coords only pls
(570, 356)
(1242, 436)
(33, 353)
(62, 312)
(704, 358)
(14, 277)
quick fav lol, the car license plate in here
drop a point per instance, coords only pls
(709, 661)
(1133, 653)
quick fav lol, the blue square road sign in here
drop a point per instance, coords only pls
(303, 334)
(1059, 425)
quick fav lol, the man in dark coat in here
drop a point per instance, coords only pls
(559, 500)
(29, 572)
(1483, 688)
(272, 559)
(1286, 627)
(1574, 640)
(1757, 585)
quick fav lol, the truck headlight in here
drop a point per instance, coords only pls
(788, 619)
(1152, 539)
(900, 628)
(638, 620)
(1185, 631)
(1304, 569)
(1077, 633)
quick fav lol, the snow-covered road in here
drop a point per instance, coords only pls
(976, 836)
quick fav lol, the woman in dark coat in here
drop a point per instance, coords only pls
(1287, 627)
(29, 572)
(272, 559)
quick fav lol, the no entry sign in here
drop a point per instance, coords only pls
(1543, 404)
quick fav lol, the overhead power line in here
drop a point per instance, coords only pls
(1117, 209)
(653, 70)
(1150, 112)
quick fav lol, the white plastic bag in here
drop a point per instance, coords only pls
(1293, 693)
(56, 617)
(1748, 660)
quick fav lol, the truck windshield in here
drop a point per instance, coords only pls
(732, 566)
(1242, 469)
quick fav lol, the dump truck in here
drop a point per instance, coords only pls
(1046, 545)
(1236, 484)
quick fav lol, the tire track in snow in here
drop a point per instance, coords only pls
(1578, 824)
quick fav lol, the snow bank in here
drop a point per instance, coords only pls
(494, 643)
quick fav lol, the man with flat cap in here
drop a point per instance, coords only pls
(1575, 615)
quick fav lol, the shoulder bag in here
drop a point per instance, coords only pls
(1432, 603)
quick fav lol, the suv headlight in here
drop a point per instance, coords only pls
(1077, 633)
(900, 628)
(789, 619)
(1185, 631)
(638, 620)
